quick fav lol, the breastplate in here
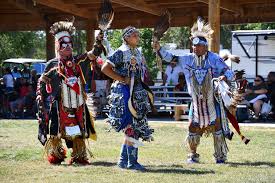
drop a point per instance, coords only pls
(70, 99)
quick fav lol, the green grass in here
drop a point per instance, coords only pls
(21, 157)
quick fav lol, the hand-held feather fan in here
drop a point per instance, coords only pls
(161, 26)
(105, 15)
(105, 18)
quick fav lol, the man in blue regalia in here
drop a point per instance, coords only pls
(206, 112)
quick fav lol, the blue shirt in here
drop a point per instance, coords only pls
(186, 61)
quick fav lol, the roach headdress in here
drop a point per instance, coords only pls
(201, 32)
(62, 28)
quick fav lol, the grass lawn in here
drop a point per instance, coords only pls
(21, 157)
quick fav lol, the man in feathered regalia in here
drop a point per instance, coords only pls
(130, 98)
(205, 116)
(63, 113)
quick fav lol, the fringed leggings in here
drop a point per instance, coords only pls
(195, 133)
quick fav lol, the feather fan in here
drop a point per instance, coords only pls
(162, 25)
(105, 15)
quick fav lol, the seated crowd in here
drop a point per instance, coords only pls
(260, 92)
(18, 93)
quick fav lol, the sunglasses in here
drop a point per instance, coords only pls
(65, 42)
(257, 80)
(64, 45)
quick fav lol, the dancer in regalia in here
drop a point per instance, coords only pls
(206, 112)
(62, 112)
(130, 99)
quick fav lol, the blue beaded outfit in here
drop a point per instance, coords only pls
(129, 105)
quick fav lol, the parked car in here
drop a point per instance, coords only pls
(37, 64)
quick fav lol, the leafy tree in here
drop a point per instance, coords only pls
(179, 36)
(114, 36)
(147, 50)
(6, 46)
(79, 40)
(226, 36)
(22, 44)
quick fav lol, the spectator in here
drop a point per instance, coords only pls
(172, 73)
(8, 80)
(256, 94)
(23, 90)
(30, 101)
(181, 87)
(34, 79)
(15, 73)
(96, 75)
(271, 90)
(26, 73)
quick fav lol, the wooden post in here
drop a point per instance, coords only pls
(190, 42)
(50, 42)
(214, 21)
(90, 35)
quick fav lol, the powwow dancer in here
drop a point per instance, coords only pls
(206, 115)
(61, 100)
(130, 99)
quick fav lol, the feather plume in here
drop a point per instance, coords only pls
(200, 24)
(201, 29)
(63, 26)
(105, 15)
(162, 25)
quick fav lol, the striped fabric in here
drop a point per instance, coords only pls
(70, 98)
(204, 112)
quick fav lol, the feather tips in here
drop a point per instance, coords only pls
(201, 29)
(61, 26)
(162, 25)
(200, 24)
(105, 15)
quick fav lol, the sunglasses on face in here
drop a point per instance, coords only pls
(257, 80)
(64, 45)
(65, 42)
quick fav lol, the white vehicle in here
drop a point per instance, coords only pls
(37, 64)
(256, 49)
